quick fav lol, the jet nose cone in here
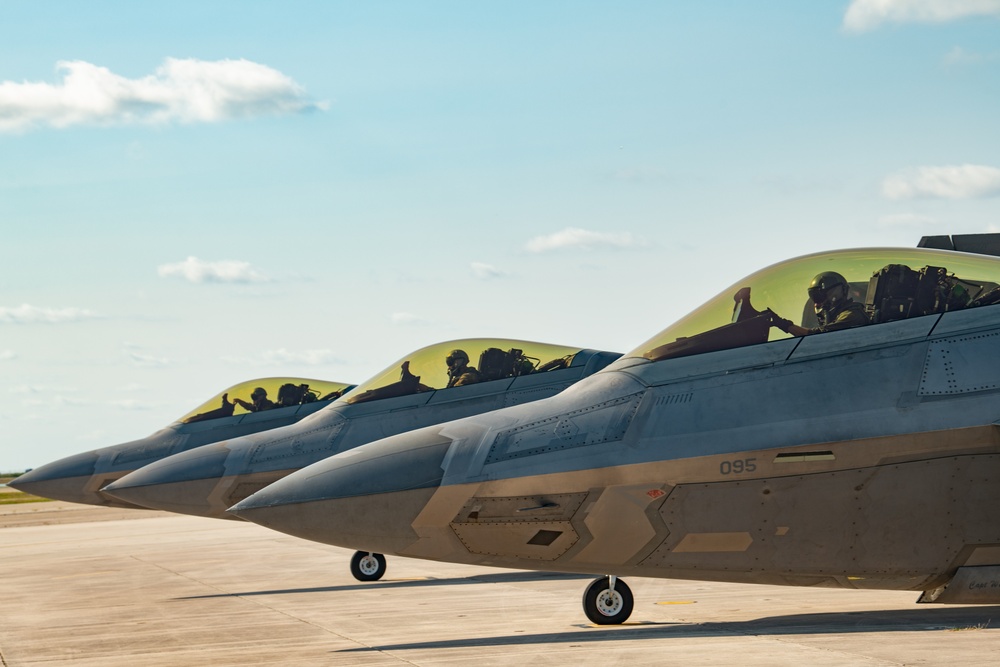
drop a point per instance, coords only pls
(181, 483)
(66, 479)
(365, 498)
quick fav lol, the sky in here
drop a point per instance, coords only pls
(194, 194)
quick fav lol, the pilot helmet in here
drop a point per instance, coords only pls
(258, 393)
(455, 355)
(823, 292)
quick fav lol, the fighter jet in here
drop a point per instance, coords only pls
(723, 448)
(431, 385)
(248, 407)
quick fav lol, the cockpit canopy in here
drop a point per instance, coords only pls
(279, 392)
(892, 283)
(440, 366)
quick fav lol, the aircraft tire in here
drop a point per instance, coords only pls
(367, 566)
(604, 606)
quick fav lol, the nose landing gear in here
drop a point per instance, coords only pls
(608, 601)
(366, 566)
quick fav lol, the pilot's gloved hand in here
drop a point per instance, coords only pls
(780, 322)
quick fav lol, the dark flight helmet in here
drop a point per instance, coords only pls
(821, 289)
(455, 355)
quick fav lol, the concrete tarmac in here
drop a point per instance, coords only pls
(88, 586)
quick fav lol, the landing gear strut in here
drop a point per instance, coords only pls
(607, 601)
(367, 566)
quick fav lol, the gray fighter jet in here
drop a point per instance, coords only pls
(429, 386)
(248, 407)
(855, 454)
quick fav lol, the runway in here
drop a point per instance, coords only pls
(100, 587)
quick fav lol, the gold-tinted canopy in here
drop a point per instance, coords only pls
(282, 391)
(426, 369)
(782, 288)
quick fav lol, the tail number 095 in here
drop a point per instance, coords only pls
(738, 467)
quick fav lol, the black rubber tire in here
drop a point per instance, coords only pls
(367, 566)
(604, 607)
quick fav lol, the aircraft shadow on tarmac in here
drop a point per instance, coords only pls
(499, 578)
(893, 620)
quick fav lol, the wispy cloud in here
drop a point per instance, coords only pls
(224, 271)
(408, 319)
(138, 356)
(905, 220)
(56, 400)
(572, 237)
(29, 389)
(27, 314)
(283, 357)
(37, 396)
(967, 181)
(641, 175)
(959, 57)
(133, 404)
(7, 355)
(146, 360)
(60, 400)
(486, 271)
(179, 91)
(34, 396)
(864, 15)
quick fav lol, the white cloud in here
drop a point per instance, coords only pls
(139, 357)
(965, 181)
(198, 271)
(27, 314)
(408, 319)
(960, 57)
(35, 389)
(181, 91)
(868, 14)
(146, 360)
(486, 271)
(572, 237)
(7, 355)
(283, 357)
(133, 404)
(56, 401)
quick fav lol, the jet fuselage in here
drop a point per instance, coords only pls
(209, 480)
(865, 458)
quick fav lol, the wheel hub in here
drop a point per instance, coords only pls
(609, 602)
(368, 565)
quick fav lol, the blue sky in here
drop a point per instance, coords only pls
(196, 194)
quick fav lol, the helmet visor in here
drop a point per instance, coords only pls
(818, 294)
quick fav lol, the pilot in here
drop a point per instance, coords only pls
(260, 401)
(835, 309)
(410, 383)
(459, 370)
(224, 410)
